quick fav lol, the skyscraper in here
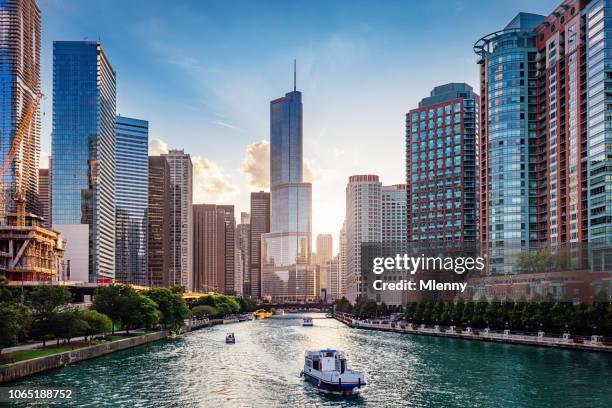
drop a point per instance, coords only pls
(363, 230)
(243, 233)
(181, 219)
(286, 250)
(209, 250)
(83, 151)
(325, 248)
(441, 168)
(230, 248)
(342, 260)
(43, 194)
(260, 225)
(20, 84)
(394, 222)
(331, 270)
(132, 199)
(159, 221)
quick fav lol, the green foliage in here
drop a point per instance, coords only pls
(172, 306)
(68, 324)
(204, 311)
(96, 322)
(223, 304)
(123, 304)
(343, 305)
(44, 301)
(15, 320)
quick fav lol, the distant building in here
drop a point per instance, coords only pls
(181, 219)
(132, 199)
(342, 260)
(333, 288)
(260, 224)
(230, 249)
(325, 248)
(159, 222)
(44, 195)
(83, 150)
(243, 237)
(213, 247)
(20, 81)
(287, 273)
(394, 236)
(363, 230)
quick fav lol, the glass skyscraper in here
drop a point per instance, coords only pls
(286, 270)
(83, 151)
(19, 84)
(131, 155)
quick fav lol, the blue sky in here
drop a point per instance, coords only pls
(203, 73)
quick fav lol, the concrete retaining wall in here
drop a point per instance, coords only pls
(14, 371)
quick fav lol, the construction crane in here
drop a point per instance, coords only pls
(22, 133)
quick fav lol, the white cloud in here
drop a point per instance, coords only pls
(210, 181)
(157, 147)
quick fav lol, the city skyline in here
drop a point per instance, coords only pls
(215, 107)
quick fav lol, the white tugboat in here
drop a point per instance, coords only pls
(327, 370)
(307, 322)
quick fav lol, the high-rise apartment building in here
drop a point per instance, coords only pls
(83, 151)
(44, 194)
(243, 237)
(394, 236)
(209, 250)
(159, 222)
(442, 169)
(132, 199)
(325, 248)
(181, 219)
(342, 260)
(333, 286)
(363, 230)
(230, 248)
(260, 225)
(286, 250)
(20, 84)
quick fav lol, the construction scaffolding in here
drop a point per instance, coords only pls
(30, 252)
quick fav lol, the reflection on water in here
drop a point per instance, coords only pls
(262, 369)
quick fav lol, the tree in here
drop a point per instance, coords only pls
(96, 323)
(15, 320)
(107, 300)
(204, 311)
(46, 300)
(343, 305)
(68, 324)
(172, 306)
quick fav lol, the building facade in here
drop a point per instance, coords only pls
(230, 249)
(287, 272)
(243, 234)
(441, 168)
(20, 83)
(159, 222)
(394, 221)
(209, 255)
(342, 259)
(333, 286)
(325, 249)
(363, 226)
(181, 219)
(44, 194)
(83, 152)
(260, 225)
(132, 199)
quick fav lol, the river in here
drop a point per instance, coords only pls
(262, 370)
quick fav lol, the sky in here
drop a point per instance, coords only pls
(204, 72)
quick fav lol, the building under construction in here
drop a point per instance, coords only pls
(31, 252)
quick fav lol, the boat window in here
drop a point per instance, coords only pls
(315, 365)
(342, 366)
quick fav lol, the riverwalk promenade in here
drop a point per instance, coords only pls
(566, 341)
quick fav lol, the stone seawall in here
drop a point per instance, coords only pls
(14, 371)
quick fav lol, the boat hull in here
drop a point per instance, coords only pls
(342, 388)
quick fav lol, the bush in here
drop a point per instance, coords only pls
(204, 311)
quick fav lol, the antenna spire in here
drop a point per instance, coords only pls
(294, 75)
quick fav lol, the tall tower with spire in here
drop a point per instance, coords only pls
(286, 270)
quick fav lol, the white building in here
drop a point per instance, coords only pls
(363, 228)
(181, 219)
(394, 235)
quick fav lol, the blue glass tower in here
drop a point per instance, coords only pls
(132, 162)
(83, 151)
(286, 270)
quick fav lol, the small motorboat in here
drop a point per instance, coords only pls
(327, 370)
(329, 316)
(307, 322)
(230, 338)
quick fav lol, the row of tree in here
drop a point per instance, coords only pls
(44, 313)
(220, 306)
(546, 314)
